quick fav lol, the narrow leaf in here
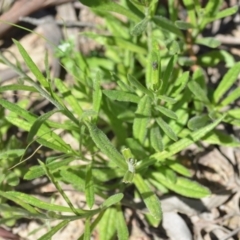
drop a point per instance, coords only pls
(139, 86)
(234, 95)
(37, 171)
(150, 199)
(97, 94)
(87, 230)
(208, 41)
(37, 124)
(140, 27)
(167, 112)
(183, 25)
(31, 65)
(108, 224)
(112, 200)
(89, 187)
(122, 229)
(183, 186)
(58, 187)
(54, 230)
(179, 168)
(212, 58)
(221, 138)
(121, 96)
(189, 4)
(68, 96)
(198, 122)
(167, 74)
(141, 120)
(225, 13)
(167, 99)
(37, 203)
(165, 127)
(46, 138)
(167, 25)
(71, 178)
(103, 143)
(228, 80)
(156, 138)
(17, 87)
(94, 224)
(198, 92)
(180, 83)
(180, 145)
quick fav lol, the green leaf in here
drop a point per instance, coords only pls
(180, 145)
(37, 171)
(110, 6)
(140, 27)
(174, 48)
(122, 229)
(169, 174)
(119, 95)
(234, 95)
(167, 112)
(183, 25)
(87, 230)
(17, 87)
(228, 80)
(38, 123)
(18, 201)
(13, 153)
(31, 65)
(179, 168)
(97, 94)
(46, 138)
(137, 149)
(198, 122)
(225, 13)
(89, 187)
(198, 92)
(54, 230)
(190, 6)
(167, 99)
(183, 186)
(94, 224)
(141, 120)
(235, 113)
(68, 96)
(218, 137)
(71, 178)
(154, 69)
(108, 224)
(125, 44)
(12, 179)
(156, 138)
(212, 58)
(57, 185)
(167, 74)
(209, 42)
(150, 199)
(106, 147)
(212, 7)
(133, 81)
(186, 61)
(167, 129)
(114, 199)
(180, 83)
(167, 25)
(38, 203)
